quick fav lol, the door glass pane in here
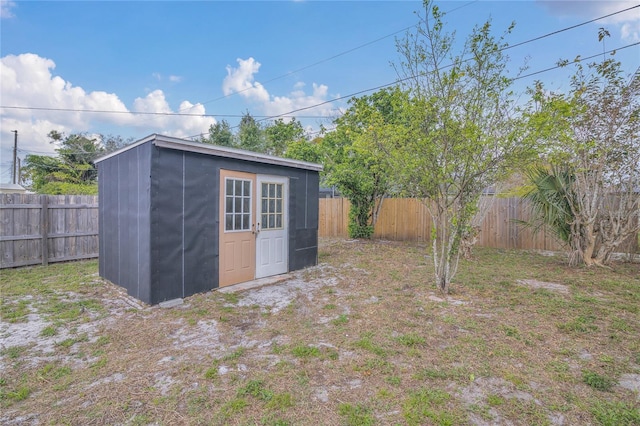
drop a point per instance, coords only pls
(278, 206)
(237, 222)
(245, 205)
(272, 190)
(238, 190)
(265, 203)
(264, 221)
(229, 205)
(265, 189)
(247, 188)
(279, 191)
(238, 205)
(245, 221)
(279, 221)
(272, 221)
(228, 222)
(272, 206)
(229, 190)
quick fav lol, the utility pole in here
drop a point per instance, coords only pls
(15, 156)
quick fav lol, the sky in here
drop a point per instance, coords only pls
(95, 66)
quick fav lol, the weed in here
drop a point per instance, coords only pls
(256, 389)
(14, 312)
(411, 340)
(494, 400)
(13, 352)
(305, 351)
(330, 306)
(511, 331)
(235, 354)
(426, 404)
(232, 407)
(366, 343)
(597, 381)
(615, 413)
(582, 324)
(19, 394)
(341, 320)
(280, 401)
(393, 380)
(356, 415)
(211, 373)
(48, 331)
(99, 363)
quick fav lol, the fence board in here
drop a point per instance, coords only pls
(38, 229)
(408, 219)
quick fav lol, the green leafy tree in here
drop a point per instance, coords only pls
(462, 138)
(356, 160)
(593, 132)
(280, 134)
(311, 151)
(251, 135)
(220, 134)
(71, 172)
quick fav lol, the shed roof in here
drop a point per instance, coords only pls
(169, 142)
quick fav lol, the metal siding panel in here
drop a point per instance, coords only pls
(144, 221)
(109, 215)
(201, 225)
(167, 223)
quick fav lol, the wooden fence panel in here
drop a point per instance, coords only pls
(47, 228)
(408, 219)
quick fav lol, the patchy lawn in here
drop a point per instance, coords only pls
(364, 338)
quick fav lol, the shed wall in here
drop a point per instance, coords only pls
(184, 219)
(124, 231)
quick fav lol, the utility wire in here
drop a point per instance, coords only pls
(322, 61)
(262, 118)
(137, 112)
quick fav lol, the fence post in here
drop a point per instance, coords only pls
(44, 228)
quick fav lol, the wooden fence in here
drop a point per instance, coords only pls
(408, 219)
(40, 229)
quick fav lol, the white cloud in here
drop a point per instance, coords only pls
(5, 9)
(241, 80)
(627, 22)
(27, 80)
(175, 78)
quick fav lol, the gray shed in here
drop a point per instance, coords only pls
(179, 218)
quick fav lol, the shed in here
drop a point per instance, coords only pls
(179, 218)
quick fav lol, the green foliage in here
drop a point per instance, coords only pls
(251, 135)
(72, 171)
(281, 135)
(256, 389)
(304, 351)
(589, 137)
(357, 162)
(597, 381)
(356, 415)
(426, 405)
(461, 136)
(615, 413)
(220, 134)
(550, 196)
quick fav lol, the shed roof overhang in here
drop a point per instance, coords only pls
(169, 142)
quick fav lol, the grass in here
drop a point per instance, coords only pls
(367, 340)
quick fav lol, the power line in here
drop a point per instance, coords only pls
(137, 112)
(337, 55)
(570, 28)
(445, 67)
